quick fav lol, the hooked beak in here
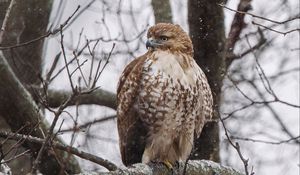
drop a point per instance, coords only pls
(152, 43)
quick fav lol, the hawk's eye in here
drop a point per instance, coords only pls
(164, 38)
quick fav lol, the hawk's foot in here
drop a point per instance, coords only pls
(168, 164)
(165, 163)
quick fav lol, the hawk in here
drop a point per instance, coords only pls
(163, 99)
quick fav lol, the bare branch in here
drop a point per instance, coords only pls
(87, 124)
(236, 146)
(79, 13)
(98, 96)
(274, 113)
(260, 17)
(53, 66)
(231, 57)
(2, 30)
(50, 132)
(277, 31)
(203, 167)
(294, 140)
(193, 167)
(19, 109)
(98, 71)
(105, 163)
(65, 58)
(16, 156)
(237, 25)
(49, 33)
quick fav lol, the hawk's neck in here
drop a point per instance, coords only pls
(184, 60)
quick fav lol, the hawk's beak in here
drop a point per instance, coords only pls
(152, 43)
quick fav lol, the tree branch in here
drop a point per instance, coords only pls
(294, 140)
(203, 167)
(236, 28)
(231, 57)
(47, 34)
(277, 31)
(98, 97)
(260, 17)
(105, 163)
(237, 25)
(194, 167)
(19, 109)
(2, 30)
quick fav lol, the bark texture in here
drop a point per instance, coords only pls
(28, 20)
(3, 6)
(195, 167)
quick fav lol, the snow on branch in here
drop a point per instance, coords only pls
(193, 167)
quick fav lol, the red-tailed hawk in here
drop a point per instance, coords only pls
(163, 99)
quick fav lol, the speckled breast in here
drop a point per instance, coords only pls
(168, 96)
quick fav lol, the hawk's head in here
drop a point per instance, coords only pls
(165, 36)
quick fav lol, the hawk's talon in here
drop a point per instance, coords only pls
(168, 164)
(165, 163)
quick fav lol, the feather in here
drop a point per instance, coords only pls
(163, 99)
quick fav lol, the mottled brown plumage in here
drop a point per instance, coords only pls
(164, 99)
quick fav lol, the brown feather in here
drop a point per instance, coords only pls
(163, 99)
(131, 142)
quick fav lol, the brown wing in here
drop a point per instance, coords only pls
(205, 100)
(131, 130)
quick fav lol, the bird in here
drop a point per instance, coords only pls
(163, 100)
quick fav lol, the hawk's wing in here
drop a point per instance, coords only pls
(132, 133)
(205, 102)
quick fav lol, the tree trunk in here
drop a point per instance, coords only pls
(28, 20)
(162, 11)
(206, 24)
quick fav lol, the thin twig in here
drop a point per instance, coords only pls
(87, 124)
(50, 132)
(53, 66)
(274, 113)
(71, 61)
(80, 70)
(236, 146)
(79, 13)
(87, 156)
(92, 53)
(49, 33)
(260, 17)
(269, 142)
(262, 41)
(98, 73)
(7, 14)
(79, 67)
(15, 157)
(65, 59)
(277, 31)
